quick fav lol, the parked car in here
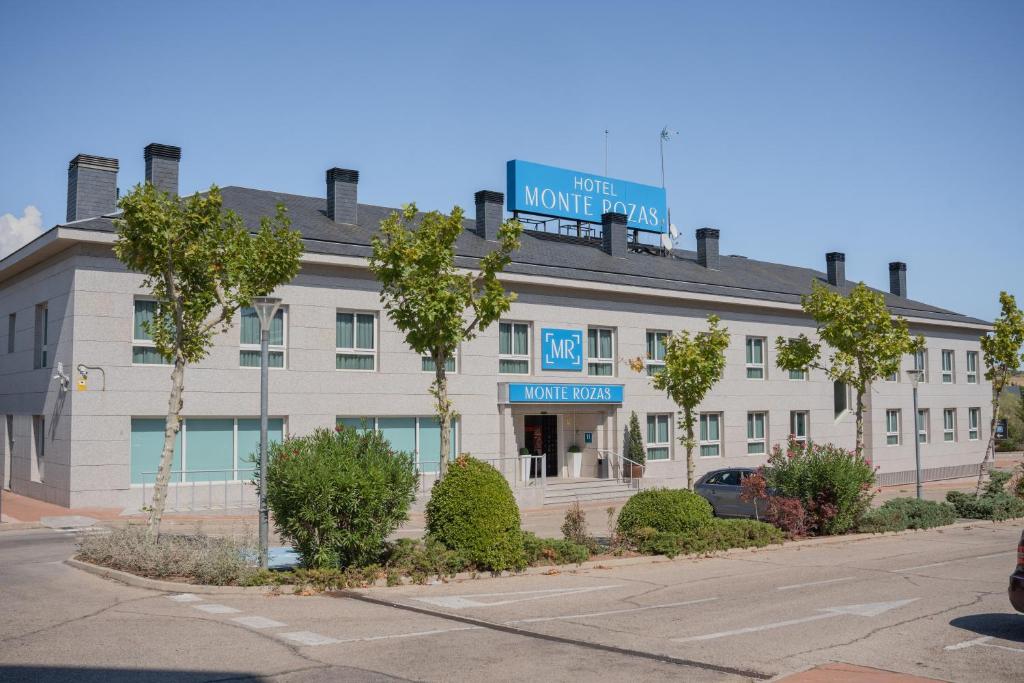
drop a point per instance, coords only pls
(1017, 578)
(722, 488)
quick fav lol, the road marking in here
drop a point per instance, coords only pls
(185, 597)
(813, 583)
(872, 609)
(939, 564)
(610, 612)
(981, 642)
(308, 638)
(465, 601)
(258, 622)
(214, 608)
(414, 634)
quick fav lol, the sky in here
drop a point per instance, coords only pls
(885, 130)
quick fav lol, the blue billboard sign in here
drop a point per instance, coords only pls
(546, 392)
(561, 193)
(561, 349)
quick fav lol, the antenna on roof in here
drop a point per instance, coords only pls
(666, 242)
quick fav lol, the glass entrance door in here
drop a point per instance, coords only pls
(542, 439)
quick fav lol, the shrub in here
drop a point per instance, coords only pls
(421, 559)
(336, 496)
(665, 510)
(574, 526)
(200, 558)
(994, 503)
(472, 511)
(721, 534)
(553, 550)
(883, 519)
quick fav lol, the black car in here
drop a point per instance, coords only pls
(722, 488)
(1017, 578)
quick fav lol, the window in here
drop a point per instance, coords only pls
(42, 336)
(892, 428)
(922, 425)
(973, 423)
(427, 364)
(11, 326)
(249, 346)
(972, 367)
(755, 357)
(757, 438)
(143, 350)
(658, 437)
(600, 352)
(206, 449)
(800, 425)
(355, 341)
(710, 434)
(949, 425)
(798, 374)
(656, 351)
(840, 398)
(514, 348)
(420, 436)
(947, 366)
(894, 377)
(38, 463)
(921, 363)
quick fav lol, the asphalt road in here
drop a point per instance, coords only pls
(931, 604)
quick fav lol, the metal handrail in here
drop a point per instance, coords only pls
(183, 484)
(520, 470)
(625, 475)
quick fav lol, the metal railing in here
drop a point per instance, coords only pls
(623, 469)
(191, 490)
(519, 470)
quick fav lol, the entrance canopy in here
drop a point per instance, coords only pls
(517, 393)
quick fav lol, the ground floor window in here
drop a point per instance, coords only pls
(710, 434)
(757, 439)
(420, 436)
(658, 437)
(922, 425)
(949, 425)
(206, 449)
(973, 423)
(892, 428)
(799, 425)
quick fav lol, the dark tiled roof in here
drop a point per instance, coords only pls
(737, 276)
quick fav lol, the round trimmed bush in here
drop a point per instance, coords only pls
(664, 510)
(473, 512)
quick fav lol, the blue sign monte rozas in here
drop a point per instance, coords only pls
(561, 349)
(550, 392)
(561, 193)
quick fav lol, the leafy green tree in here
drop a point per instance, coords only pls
(693, 364)
(865, 342)
(437, 305)
(201, 265)
(1002, 351)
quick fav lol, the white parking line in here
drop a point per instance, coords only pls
(610, 612)
(185, 597)
(981, 642)
(939, 564)
(813, 583)
(258, 622)
(470, 600)
(214, 608)
(308, 638)
(414, 634)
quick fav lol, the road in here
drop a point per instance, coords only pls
(931, 604)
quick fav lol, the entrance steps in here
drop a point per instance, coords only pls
(565, 492)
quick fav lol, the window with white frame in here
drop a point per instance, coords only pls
(355, 341)
(427, 364)
(922, 425)
(658, 440)
(892, 428)
(921, 364)
(656, 351)
(757, 433)
(514, 348)
(798, 374)
(710, 434)
(894, 377)
(800, 425)
(249, 340)
(143, 349)
(949, 425)
(972, 367)
(755, 357)
(418, 436)
(947, 366)
(601, 351)
(973, 424)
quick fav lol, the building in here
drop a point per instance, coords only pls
(89, 435)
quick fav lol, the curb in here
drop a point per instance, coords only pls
(173, 586)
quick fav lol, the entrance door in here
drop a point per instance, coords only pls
(542, 439)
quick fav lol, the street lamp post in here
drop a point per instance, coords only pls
(266, 308)
(915, 378)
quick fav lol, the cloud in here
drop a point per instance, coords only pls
(16, 232)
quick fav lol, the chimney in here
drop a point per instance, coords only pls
(341, 195)
(162, 167)
(898, 278)
(489, 213)
(92, 187)
(835, 262)
(613, 233)
(707, 247)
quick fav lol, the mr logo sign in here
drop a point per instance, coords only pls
(561, 349)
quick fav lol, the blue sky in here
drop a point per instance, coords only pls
(886, 130)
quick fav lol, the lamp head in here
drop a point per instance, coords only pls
(266, 308)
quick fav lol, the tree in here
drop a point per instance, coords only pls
(1001, 349)
(866, 342)
(201, 265)
(635, 446)
(693, 364)
(437, 305)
